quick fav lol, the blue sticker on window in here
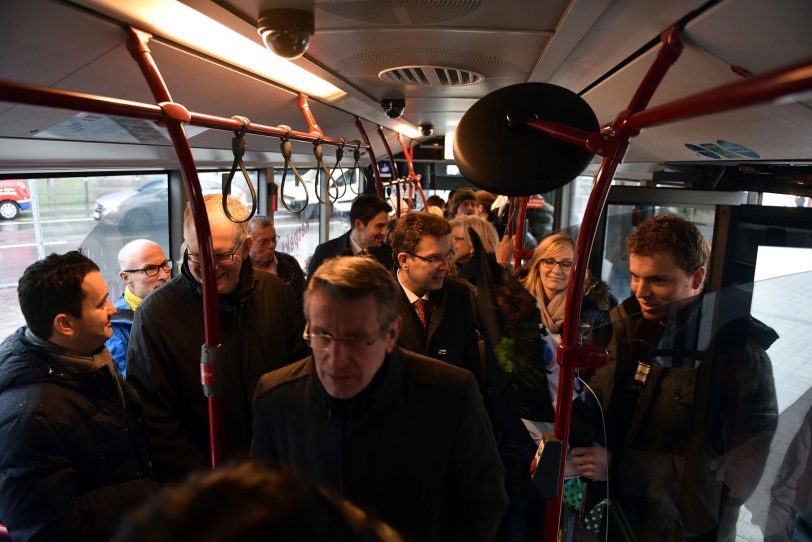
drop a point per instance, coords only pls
(738, 149)
(703, 151)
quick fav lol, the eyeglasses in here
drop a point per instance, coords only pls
(152, 270)
(434, 260)
(323, 341)
(265, 242)
(220, 257)
(550, 263)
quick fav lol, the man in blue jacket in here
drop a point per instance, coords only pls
(73, 451)
(143, 269)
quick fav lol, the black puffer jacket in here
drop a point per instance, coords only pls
(72, 458)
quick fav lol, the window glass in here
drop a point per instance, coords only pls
(621, 220)
(298, 231)
(581, 189)
(785, 200)
(96, 214)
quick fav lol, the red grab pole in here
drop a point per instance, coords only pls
(395, 175)
(378, 183)
(415, 178)
(570, 353)
(304, 107)
(175, 116)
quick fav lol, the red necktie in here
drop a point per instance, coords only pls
(420, 309)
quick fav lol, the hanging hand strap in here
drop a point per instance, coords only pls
(238, 149)
(339, 157)
(356, 156)
(318, 152)
(287, 151)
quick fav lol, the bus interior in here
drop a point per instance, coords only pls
(406, 72)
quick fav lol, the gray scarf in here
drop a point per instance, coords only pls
(75, 363)
(552, 311)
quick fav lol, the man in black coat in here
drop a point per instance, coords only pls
(260, 330)
(400, 434)
(73, 449)
(438, 312)
(368, 217)
(265, 257)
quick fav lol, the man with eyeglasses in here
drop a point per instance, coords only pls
(143, 269)
(265, 257)
(438, 311)
(260, 330)
(369, 215)
(402, 435)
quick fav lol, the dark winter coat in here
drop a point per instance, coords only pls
(416, 450)
(73, 459)
(289, 270)
(452, 334)
(260, 330)
(691, 450)
(340, 246)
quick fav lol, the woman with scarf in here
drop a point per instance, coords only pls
(547, 279)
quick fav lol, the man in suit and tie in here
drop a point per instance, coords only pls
(368, 217)
(438, 311)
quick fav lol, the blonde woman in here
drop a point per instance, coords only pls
(547, 279)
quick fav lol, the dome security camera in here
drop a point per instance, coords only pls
(286, 32)
(426, 129)
(393, 107)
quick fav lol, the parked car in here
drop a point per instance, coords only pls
(14, 198)
(138, 209)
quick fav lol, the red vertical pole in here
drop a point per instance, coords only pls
(407, 152)
(304, 107)
(176, 115)
(519, 231)
(395, 175)
(378, 183)
(618, 142)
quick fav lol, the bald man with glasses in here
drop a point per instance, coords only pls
(143, 269)
(402, 435)
(438, 311)
(260, 330)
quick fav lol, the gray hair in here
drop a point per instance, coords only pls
(355, 277)
(260, 221)
(214, 207)
(485, 230)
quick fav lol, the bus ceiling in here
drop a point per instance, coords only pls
(440, 62)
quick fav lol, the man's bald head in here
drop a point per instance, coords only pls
(137, 260)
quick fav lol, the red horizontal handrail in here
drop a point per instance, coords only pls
(758, 89)
(24, 93)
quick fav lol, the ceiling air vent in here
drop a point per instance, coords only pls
(431, 76)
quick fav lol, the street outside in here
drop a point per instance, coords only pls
(75, 228)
